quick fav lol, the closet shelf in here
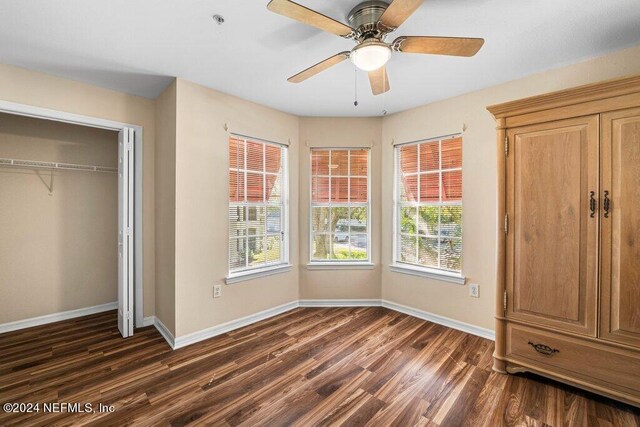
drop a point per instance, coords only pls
(55, 165)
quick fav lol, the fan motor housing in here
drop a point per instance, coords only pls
(364, 18)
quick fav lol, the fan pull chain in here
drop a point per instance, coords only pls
(355, 103)
(384, 94)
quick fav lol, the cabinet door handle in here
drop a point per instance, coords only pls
(607, 204)
(592, 203)
(544, 349)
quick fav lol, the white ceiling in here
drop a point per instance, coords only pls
(135, 45)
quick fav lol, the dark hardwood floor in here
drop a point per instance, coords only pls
(338, 366)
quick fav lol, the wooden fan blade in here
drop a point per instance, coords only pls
(317, 68)
(398, 12)
(310, 17)
(379, 80)
(454, 46)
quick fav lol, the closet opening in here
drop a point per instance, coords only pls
(68, 220)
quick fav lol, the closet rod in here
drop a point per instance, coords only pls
(55, 165)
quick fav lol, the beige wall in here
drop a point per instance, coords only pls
(193, 159)
(342, 282)
(59, 228)
(202, 207)
(38, 89)
(479, 181)
(165, 212)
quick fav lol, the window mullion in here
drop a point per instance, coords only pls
(264, 174)
(246, 209)
(398, 198)
(264, 240)
(330, 207)
(264, 201)
(418, 199)
(439, 201)
(349, 203)
(283, 193)
(244, 173)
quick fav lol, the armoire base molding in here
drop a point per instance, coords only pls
(518, 368)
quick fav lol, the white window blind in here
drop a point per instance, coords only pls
(428, 229)
(340, 222)
(257, 204)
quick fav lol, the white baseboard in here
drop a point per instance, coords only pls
(148, 321)
(420, 314)
(56, 317)
(340, 303)
(204, 334)
(164, 331)
(441, 320)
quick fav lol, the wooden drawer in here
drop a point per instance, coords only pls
(575, 358)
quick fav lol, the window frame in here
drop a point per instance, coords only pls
(284, 264)
(417, 269)
(331, 263)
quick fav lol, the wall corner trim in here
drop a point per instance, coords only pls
(56, 317)
(148, 321)
(164, 331)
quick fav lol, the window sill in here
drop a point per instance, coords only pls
(254, 274)
(430, 273)
(340, 266)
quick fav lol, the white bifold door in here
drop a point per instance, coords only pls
(125, 231)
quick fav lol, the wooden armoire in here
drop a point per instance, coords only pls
(568, 303)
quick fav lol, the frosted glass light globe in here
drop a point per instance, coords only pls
(370, 56)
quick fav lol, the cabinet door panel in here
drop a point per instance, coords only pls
(552, 239)
(620, 277)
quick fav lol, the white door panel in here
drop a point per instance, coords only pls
(125, 232)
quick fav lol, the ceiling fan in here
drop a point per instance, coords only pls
(370, 22)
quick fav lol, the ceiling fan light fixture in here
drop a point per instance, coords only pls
(370, 22)
(370, 55)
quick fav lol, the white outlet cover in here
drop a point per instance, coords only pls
(474, 290)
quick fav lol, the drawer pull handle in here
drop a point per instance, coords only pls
(544, 349)
(607, 204)
(592, 203)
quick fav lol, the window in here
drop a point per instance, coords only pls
(428, 229)
(340, 205)
(257, 204)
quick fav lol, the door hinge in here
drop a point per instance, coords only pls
(506, 146)
(504, 303)
(128, 315)
(506, 223)
(128, 231)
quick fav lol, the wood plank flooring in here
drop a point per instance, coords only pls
(307, 367)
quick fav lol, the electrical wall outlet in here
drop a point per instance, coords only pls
(217, 291)
(474, 290)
